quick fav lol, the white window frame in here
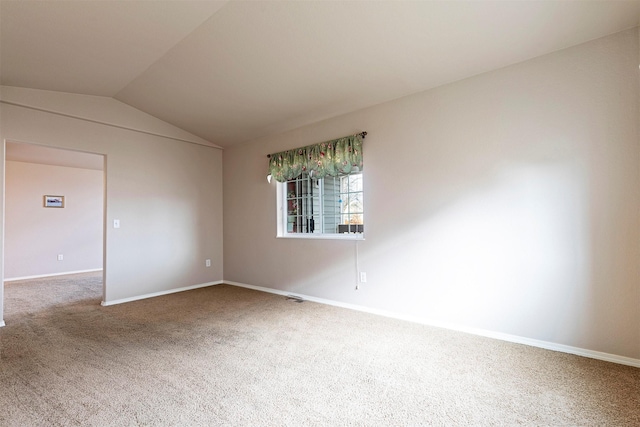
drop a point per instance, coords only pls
(282, 214)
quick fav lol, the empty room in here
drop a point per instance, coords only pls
(376, 213)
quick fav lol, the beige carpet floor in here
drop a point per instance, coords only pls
(230, 356)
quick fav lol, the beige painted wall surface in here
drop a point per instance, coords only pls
(35, 235)
(167, 195)
(505, 202)
(91, 107)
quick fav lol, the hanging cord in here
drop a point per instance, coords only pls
(357, 268)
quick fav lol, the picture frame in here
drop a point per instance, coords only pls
(53, 201)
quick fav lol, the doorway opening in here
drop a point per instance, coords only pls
(55, 203)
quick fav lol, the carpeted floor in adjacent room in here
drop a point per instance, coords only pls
(235, 357)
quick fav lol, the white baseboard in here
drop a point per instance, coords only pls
(482, 332)
(13, 279)
(2, 323)
(157, 294)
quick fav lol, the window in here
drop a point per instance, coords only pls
(320, 189)
(329, 207)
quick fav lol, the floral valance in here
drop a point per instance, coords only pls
(332, 158)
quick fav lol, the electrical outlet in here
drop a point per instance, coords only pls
(207, 263)
(363, 277)
(60, 257)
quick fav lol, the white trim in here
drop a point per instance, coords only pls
(13, 279)
(2, 323)
(445, 325)
(157, 294)
(323, 236)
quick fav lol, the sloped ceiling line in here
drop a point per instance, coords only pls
(231, 72)
(58, 113)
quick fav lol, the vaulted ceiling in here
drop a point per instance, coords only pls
(233, 71)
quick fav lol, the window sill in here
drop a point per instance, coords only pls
(310, 236)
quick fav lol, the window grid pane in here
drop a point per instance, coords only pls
(352, 200)
(325, 206)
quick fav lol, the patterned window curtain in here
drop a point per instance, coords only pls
(331, 158)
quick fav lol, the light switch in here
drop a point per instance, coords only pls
(116, 223)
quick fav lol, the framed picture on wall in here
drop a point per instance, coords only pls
(54, 201)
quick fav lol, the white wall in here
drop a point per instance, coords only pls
(35, 235)
(166, 193)
(506, 202)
